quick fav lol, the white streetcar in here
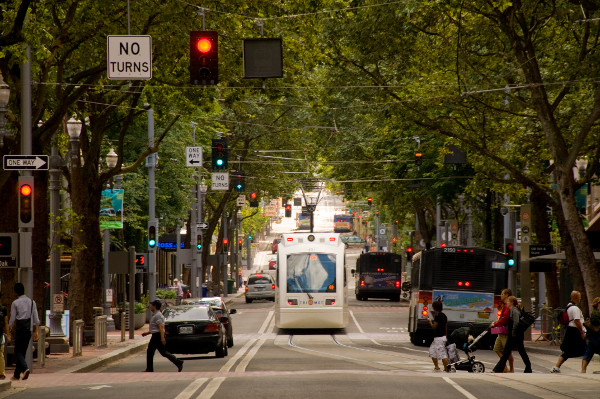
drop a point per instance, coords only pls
(311, 282)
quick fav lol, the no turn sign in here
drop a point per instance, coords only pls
(129, 57)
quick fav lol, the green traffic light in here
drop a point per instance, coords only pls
(199, 246)
(220, 162)
(511, 262)
(152, 242)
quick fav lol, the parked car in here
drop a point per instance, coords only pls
(222, 311)
(193, 329)
(275, 245)
(260, 286)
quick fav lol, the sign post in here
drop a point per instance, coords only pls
(524, 263)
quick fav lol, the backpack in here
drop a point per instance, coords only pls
(563, 317)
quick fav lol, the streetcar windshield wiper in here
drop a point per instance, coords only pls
(301, 288)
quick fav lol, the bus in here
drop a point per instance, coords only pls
(342, 223)
(311, 282)
(467, 280)
(378, 275)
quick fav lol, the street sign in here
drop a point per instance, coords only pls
(540, 249)
(220, 181)
(270, 210)
(109, 295)
(241, 200)
(203, 225)
(193, 157)
(25, 162)
(8, 261)
(129, 57)
(58, 304)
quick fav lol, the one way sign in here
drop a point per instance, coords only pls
(25, 162)
(193, 157)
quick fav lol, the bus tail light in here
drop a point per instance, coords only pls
(290, 239)
(246, 289)
(362, 283)
(424, 313)
(273, 286)
(331, 238)
(329, 301)
(397, 284)
(467, 284)
(292, 301)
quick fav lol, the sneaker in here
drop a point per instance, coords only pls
(180, 366)
(26, 374)
(555, 370)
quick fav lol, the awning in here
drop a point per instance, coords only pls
(555, 257)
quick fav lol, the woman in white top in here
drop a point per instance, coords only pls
(573, 344)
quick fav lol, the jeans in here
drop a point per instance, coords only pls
(154, 345)
(513, 343)
(22, 340)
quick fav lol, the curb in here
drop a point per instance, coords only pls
(5, 385)
(103, 360)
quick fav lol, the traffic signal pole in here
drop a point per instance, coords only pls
(151, 164)
(25, 233)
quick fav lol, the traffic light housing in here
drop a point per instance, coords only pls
(418, 158)
(26, 193)
(204, 57)
(510, 254)
(240, 245)
(199, 242)
(370, 201)
(254, 199)
(409, 254)
(239, 181)
(225, 245)
(288, 210)
(152, 234)
(219, 154)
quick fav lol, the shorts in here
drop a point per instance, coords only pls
(500, 343)
(437, 350)
(593, 346)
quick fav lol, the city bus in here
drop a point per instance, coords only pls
(378, 275)
(342, 223)
(311, 280)
(467, 280)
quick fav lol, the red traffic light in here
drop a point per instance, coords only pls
(510, 247)
(25, 190)
(204, 45)
(253, 195)
(409, 250)
(394, 239)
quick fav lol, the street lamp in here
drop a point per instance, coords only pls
(4, 97)
(111, 159)
(74, 130)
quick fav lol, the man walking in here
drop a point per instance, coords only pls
(573, 344)
(178, 291)
(23, 319)
(158, 341)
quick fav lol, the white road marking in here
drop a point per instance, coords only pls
(191, 388)
(459, 388)
(246, 360)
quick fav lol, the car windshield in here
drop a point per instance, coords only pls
(259, 280)
(311, 272)
(187, 313)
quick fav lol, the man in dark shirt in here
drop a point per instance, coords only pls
(437, 350)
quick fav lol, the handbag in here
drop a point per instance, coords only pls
(500, 330)
(526, 319)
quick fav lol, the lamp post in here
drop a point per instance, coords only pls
(203, 189)
(4, 97)
(74, 130)
(111, 162)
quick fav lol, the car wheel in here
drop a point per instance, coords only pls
(248, 300)
(222, 351)
(230, 341)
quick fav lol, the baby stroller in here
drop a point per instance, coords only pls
(463, 340)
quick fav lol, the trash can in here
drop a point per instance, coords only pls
(230, 286)
(204, 291)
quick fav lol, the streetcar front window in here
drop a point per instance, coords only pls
(311, 272)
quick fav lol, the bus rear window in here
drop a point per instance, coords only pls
(381, 264)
